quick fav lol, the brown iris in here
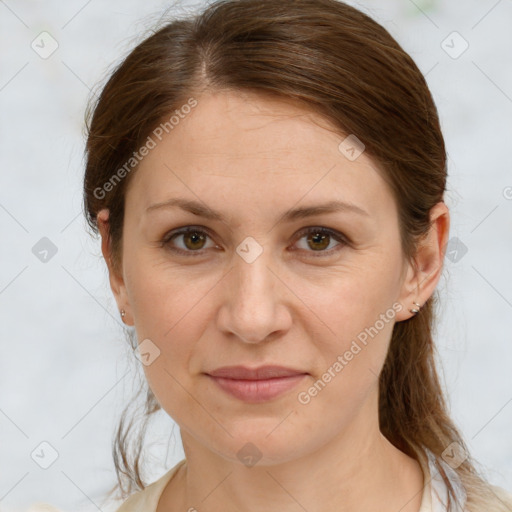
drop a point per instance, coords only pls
(197, 239)
(318, 238)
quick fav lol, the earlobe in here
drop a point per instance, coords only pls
(116, 281)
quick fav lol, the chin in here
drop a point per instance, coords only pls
(256, 446)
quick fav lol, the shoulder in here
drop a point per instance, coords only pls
(147, 499)
(498, 498)
(504, 495)
(472, 495)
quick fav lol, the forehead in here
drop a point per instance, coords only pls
(247, 150)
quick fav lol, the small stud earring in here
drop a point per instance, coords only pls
(123, 313)
(416, 309)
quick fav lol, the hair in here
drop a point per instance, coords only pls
(330, 58)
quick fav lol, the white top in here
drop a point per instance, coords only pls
(434, 497)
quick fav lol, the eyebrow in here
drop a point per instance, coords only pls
(204, 211)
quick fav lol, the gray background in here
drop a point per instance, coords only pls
(66, 371)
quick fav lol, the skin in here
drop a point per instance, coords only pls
(252, 157)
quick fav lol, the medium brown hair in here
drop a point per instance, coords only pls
(334, 59)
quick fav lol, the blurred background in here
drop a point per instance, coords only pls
(66, 371)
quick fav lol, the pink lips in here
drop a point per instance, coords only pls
(258, 384)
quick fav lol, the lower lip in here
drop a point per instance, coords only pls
(257, 391)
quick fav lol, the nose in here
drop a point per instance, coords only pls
(255, 305)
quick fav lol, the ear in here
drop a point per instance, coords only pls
(422, 275)
(116, 279)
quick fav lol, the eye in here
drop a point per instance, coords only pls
(319, 238)
(194, 240)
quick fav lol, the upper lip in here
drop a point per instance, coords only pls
(260, 373)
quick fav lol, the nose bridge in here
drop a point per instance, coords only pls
(251, 309)
(253, 280)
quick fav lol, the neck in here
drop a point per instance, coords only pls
(357, 470)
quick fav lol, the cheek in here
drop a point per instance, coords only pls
(168, 304)
(348, 300)
(351, 349)
(351, 319)
(163, 296)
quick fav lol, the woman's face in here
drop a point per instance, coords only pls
(256, 288)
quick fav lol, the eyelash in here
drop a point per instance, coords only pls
(314, 230)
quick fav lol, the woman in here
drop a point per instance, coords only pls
(268, 180)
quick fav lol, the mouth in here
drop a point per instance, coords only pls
(256, 385)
